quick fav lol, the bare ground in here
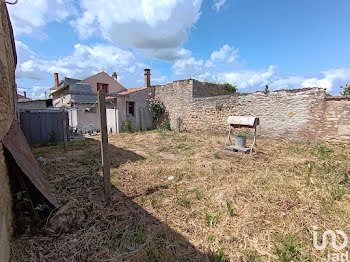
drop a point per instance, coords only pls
(220, 207)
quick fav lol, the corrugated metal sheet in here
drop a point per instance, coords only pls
(38, 126)
(243, 121)
(16, 143)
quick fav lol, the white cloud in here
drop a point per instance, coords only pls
(219, 59)
(28, 16)
(223, 66)
(218, 4)
(84, 61)
(226, 53)
(330, 79)
(157, 26)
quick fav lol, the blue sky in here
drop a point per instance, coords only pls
(249, 43)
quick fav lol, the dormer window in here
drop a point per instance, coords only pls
(102, 86)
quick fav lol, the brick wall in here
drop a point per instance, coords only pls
(294, 114)
(7, 113)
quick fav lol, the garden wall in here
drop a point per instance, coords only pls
(7, 114)
(293, 114)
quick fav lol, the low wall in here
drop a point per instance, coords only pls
(293, 114)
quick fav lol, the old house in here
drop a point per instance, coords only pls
(25, 103)
(79, 97)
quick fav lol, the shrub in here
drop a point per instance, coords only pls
(267, 89)
(346, 90)
(165, 125)
(52, 137)
(155, 107)
(127, 127)
(219, 107)
(231, 88)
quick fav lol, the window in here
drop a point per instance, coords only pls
(130, 108)
(102, 86)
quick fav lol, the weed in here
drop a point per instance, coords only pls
(230, 210)
(198, 194)
(183, 200)
(52, 137)
(335, 191)
(140, 161)
(216, 155)
(211, 219)
(289, 250)
(165, 125)
(211, 238)
(128, 240)
(154, 202)
(219, 107)
(322, 152)
(219, 256)
(127, 127)
(253, 258)
(310, 168)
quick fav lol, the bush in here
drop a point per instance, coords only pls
(127, 127)
(346, 89)
(155, 107)
(165, 125)
(267, 90)
(231, 88)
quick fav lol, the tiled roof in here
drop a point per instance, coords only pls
(132, 90)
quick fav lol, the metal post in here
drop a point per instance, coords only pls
(104, 145)
(64, 128)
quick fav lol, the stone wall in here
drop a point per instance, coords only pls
(335, 124)
(293, 114)
(7, 114)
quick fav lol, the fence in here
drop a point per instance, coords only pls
(44, 126)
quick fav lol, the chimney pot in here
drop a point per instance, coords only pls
(147, 77)
(25, 94)
(56, 79)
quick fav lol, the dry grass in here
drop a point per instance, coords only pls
(234, 206)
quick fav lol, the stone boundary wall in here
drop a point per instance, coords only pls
(7, 114)
(292, 114)
(335, 125)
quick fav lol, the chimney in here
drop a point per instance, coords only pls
(115, 76)
(25, 94)
(147, 78)
(56, 79)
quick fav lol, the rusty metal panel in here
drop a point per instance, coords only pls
(17, 144)
(243, 121)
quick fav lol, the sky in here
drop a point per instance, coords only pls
(248, 43)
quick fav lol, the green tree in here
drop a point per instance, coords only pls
(267, 89)
(346, 90)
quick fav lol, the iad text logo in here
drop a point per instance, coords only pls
(332, 256)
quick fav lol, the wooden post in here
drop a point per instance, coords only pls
(104, 145)
(64, 126)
